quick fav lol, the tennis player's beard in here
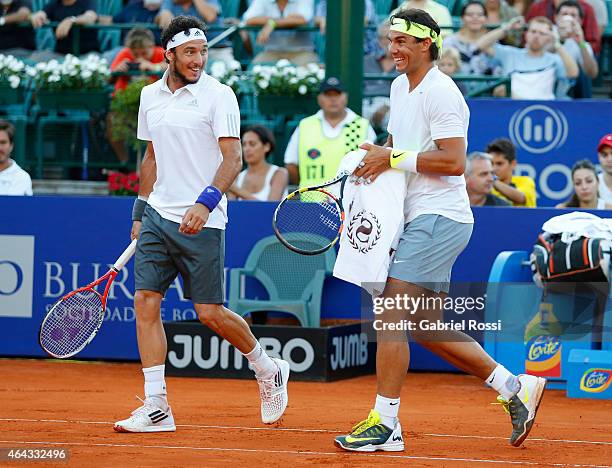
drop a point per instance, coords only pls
(184, 80)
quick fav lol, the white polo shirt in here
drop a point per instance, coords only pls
(435, 109)
(185, 127)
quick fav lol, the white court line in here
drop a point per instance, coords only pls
(297, 452)
(324, 431)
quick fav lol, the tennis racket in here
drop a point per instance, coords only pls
(75, 319)
(309, 221)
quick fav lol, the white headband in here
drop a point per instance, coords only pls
(185, 36)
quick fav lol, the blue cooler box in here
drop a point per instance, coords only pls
(589, 374)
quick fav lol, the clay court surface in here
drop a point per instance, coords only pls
(447, 420)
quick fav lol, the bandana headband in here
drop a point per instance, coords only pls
(416, 30)
(185, 36)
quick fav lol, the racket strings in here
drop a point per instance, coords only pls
(71, 323)
(314, 218)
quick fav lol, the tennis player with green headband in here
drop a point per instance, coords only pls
(428, 140)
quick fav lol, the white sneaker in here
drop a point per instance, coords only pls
(147, 418)
(273, 393)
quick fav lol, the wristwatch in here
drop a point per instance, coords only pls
(72, 18)
(2, 21)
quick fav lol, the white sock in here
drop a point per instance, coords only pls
(388, 409)
(155, 386)
(504, 382)
(263, 365)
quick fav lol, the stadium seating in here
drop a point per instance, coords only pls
(293, 282)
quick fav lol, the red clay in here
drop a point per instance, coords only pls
(447, 419)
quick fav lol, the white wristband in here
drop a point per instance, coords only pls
(404, 160)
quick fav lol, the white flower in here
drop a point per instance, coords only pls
(282, 63)
(321, 74)
(218, 69)
(256, 69)
(293, 80)
(263, 84)
(86, 74)
(235, 65)
(14, 81)
(313, 67)
(302, 89)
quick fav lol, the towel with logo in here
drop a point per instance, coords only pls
(374, 222)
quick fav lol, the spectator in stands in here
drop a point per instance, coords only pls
(260, 180)
(519, 190)
(604, 152)
(15, 40)
(295, 46)
(499, 12)
(139, 54)
(586, 188)
(473, 60)
(535, 72)
(438, 12)
(521, 6)
(601, 14)
(376, 92)
(370, 42)
(479, 181)
(69, 13)
(13, 179)
(449, 63)
(320, 141)
(207, 10)
(136, 11)
(548, 8)
(569, 14)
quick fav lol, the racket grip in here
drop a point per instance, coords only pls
(125, 256)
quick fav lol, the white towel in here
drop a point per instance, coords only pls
(576, 224)
(373, 225)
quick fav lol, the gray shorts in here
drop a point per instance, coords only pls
(162, 252)
(427, 251)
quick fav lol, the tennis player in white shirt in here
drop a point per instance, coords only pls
(428, 140)
(191, 123)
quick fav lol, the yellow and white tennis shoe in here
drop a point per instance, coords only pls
(147, 418)
(273, 393)
(523, 406)
(372, 435)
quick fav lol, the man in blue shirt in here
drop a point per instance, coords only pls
(538, 71)
(136, 11)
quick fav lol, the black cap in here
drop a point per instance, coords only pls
(331, 83)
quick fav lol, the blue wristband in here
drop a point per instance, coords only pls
(210, 197)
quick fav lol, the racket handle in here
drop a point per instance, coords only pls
(125, 256)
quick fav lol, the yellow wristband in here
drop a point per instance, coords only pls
(405, 160)
(272, 23)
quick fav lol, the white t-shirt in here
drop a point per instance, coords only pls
(185, 128)
(604, 191)
(435, 109)
(292, 151)
(15, 181)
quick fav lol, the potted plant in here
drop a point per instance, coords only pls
(123, 184)
(286, 89)
(74, 83)
(13, 80)
(230, 75)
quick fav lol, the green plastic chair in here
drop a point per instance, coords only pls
(294, 282)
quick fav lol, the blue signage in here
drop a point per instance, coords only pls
(550, 136)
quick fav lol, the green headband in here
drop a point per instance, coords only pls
(416, 30)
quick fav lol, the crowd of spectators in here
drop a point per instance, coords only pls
(548, 49)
